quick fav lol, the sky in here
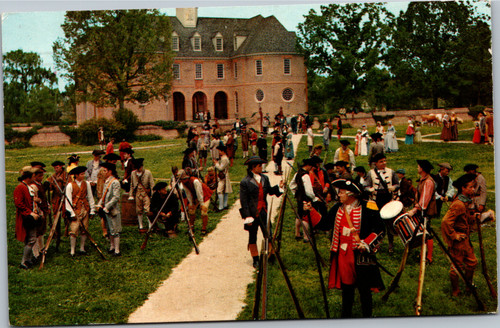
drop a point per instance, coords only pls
(33, 28)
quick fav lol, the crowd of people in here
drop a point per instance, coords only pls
(338, 196)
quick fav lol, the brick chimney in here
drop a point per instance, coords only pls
(187, 16)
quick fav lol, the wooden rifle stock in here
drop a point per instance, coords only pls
(493, 292)
(153, 224)
(421, 275)
(51, 235)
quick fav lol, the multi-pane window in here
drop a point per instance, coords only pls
(175, 43)
(286, 66)
(236, 102)
(197, 43)
(218, 44)
(287, 94)
(177, 71)
(235, 70)
(220, 71)
(258, 67)
(198, 71)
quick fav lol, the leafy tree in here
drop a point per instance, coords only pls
(427, 52)
(30, 94)
(116, 56)
(345, 43)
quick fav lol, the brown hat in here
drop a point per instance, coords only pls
(446, 165)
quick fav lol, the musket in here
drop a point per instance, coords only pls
(395, 280)
(316, 253)
(279, 224)
(423, 253)
(82, 226)
(51, 235)
(283, 271)
(319, 196)
(183, 206)
(306, 231)
(153, 224)
(483, 259)
(258, 287)
(265, 263)
(468, 283)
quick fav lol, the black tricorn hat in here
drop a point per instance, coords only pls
(344, 142)
(425, 165)
(222, 148)
(96, 152)
(128, 151)
(376, 136)
(329, 166)
(160, 185)
(347, 184)
(341, 163)
(109, 166)
(308, 161)
(138, 162)
(78, 170)
(255, 160)
(316, 159)
(111, 157)
(470, 167)
(189, 150)
(463, 180)
(37, 164)
(359, 169)
(73, 158)
(57, 163)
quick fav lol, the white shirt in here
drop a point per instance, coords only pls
(69, 197)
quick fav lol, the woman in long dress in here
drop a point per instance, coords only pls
(446, 132)
(390, 141)
(418, 133)
(363, 145)
(289, 153)
(477, 134)
(358, 142)
(410, 132)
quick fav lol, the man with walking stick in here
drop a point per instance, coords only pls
(357, 234)
(456, 226)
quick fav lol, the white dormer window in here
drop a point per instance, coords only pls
(196, 42)
(218, 42)
(175, 41)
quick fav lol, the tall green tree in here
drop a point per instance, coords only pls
(30, 93)
(345, 43)
(427, 52)
(116, 56)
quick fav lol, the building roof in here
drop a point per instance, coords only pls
(263, 35)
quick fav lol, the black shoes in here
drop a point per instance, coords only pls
(117, 254)
(82, 253)
(111, 251)
(25, 266)
(255, 262)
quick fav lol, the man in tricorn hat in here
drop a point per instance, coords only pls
(224, 185)
(341, 168)
(426, 199)
(27, 220)
(141, 185)
(170, 213)
(128, 165)
(456, 226)
(376, 147)
(79, 205)
(254, 189)
(109, 207)
(57, 183)
(93, 167)
(343, 153)
(198, 195)
(101, 179)
(189, 160)
(444, 185)
(357, 234)
(302, 187)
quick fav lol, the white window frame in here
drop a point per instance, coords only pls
(178, 66)
(259, 71)
(221, 67)
(217, 40)
(200, 71)
(175, 42)
(197, 38)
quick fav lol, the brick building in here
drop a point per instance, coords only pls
(228, 66)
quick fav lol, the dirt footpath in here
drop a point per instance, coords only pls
(210, 286)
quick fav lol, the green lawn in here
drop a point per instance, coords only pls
(300, 262)
(88, 290)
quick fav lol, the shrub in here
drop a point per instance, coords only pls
(12, 135)
(71, 132)
(18, 145)
(382, 118)
(474, 111)
(129, 120)
(87, 131)
(148, 137)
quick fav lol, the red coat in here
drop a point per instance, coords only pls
(24, 207)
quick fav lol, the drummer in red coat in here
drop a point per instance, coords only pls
(27, 221)
(357, 234)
